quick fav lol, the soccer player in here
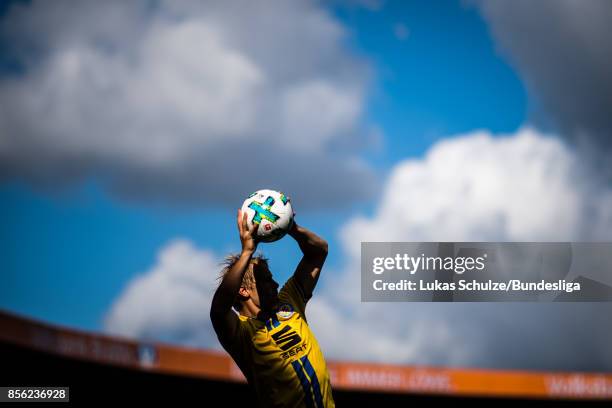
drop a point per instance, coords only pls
(266, 331)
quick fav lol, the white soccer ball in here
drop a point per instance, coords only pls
(272, 210)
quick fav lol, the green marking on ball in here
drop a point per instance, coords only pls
(262, 211)
(284, 198)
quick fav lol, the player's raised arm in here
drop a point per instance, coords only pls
(314, 249)
(224, 320)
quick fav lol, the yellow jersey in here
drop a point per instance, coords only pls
(281, 358)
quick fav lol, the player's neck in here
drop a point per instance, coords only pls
(250, 309)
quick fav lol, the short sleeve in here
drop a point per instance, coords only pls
(238, 347)
(293, 294)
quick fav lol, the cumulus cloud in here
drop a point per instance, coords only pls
(524, 187)
(171, 301)
(562, 49)
(176, 101)
(475, 187)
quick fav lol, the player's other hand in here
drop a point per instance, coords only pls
(248, 236)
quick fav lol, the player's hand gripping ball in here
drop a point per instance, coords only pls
(272, 211)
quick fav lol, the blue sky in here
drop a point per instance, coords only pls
(69, 253)
(121, 135)
(445, 78)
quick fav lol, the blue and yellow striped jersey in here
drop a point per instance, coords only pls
(281, 358)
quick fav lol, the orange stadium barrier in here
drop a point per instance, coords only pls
(345, 375)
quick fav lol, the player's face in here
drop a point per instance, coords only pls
(266, 286)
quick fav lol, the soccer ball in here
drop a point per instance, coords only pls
(272, 211)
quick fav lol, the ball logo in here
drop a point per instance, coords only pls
(285, 311)
(263, 210)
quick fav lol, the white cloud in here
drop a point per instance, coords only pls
(474, 187)
(149, 97)
(171, 301)
(479, 187)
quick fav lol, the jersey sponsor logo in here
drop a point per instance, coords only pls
(286, 338)
(294, 351)
(285, 311)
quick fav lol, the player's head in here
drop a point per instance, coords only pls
(258, 285)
